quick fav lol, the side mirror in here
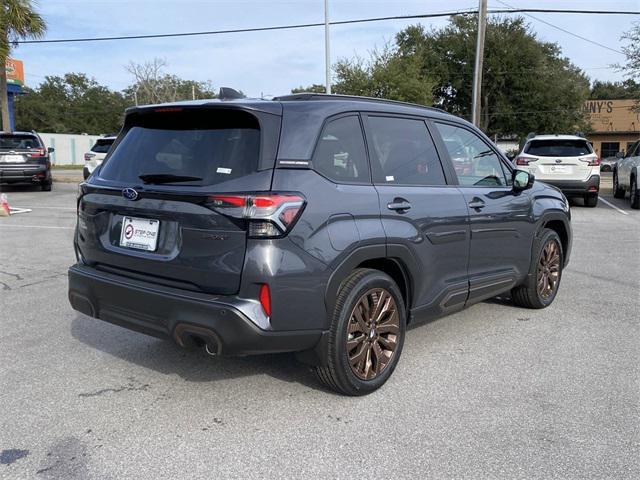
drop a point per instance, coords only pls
(620, 155)
(51, 149)
(522, 180)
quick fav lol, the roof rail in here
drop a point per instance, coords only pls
(326, 96)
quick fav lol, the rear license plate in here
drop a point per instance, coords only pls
(559, 169)
(139, 233)
(12, 159)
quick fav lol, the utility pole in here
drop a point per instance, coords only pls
(477, 71)
(327, 50)
(193, 92)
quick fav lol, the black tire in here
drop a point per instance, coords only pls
(338, 374)
(634, 194)
(591, 200)
(617, 191)
(528, 295)
(46, 186)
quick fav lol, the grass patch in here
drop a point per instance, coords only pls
(67, 167)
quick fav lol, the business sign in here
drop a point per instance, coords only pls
(613, 115)
(15, 72)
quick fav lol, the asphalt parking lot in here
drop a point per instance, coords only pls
(492, 392)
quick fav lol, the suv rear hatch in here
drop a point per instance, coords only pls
(20, 153)
(561, 159)
(149, 212)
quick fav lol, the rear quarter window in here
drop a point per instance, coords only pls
(211, 146)
(102, 146)
(558, 148)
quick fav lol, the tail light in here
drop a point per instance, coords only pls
(39, 152)
(270, 215)
(88, 156)
(593, 161)
(265, 299)
(525, 160)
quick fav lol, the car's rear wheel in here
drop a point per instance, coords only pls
(617, 191)
(46, 186)
(545, 273)
(634, 194)
(590, 200)
(367, 334)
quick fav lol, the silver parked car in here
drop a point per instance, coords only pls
(626, 175)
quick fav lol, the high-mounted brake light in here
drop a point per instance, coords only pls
(270, 215)
(167, 109)
(525, 160)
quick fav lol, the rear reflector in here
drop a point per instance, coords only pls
(265, 299)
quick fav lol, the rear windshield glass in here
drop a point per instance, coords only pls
(201, 146)
(18, 142)
(558, 148)
(102, 146)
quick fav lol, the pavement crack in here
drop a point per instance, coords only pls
(9, 274)
(130, 387)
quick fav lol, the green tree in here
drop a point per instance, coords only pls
(384, 75)
(18, 20)
(632, 51)
(74, 103)
(627, 89)
(527, 84)
(315, 88)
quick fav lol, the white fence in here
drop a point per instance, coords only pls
(70, 149)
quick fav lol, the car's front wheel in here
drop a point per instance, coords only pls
(545, 272)
(366, 335)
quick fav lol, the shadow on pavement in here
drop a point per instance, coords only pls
(166, 357)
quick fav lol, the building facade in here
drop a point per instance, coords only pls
(615, 125)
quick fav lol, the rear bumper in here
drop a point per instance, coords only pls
(576, 187)
(170, 313)
(24, 173)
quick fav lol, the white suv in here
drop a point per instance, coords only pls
(564, 161)
(95, 157)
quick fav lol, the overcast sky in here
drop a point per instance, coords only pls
(274, 62)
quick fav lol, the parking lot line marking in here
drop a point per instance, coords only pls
(614, 207)
(36, 226)
(52, 208)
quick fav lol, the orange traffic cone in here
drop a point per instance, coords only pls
(5, 211)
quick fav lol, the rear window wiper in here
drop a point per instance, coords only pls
(166, 178)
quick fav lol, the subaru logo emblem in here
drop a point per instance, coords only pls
(130, 194)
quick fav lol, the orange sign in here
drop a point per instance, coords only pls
(15, 72)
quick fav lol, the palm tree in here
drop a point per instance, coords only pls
(18, 21)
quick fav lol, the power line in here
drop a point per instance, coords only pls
(340, 22)
(563, 29)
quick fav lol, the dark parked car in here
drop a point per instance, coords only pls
(24, 159)
(311, 223)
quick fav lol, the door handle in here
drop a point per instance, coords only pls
(477, 204)
(399, 205)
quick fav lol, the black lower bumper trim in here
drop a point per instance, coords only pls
(157, 311)
(577, 187)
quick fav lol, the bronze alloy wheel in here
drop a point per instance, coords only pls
(372, 333)
(549, 270)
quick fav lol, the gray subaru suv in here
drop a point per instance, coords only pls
(316, 224)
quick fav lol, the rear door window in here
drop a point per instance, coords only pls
(558, 148)
(340, 154)
(205, 147)
(402, 152)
